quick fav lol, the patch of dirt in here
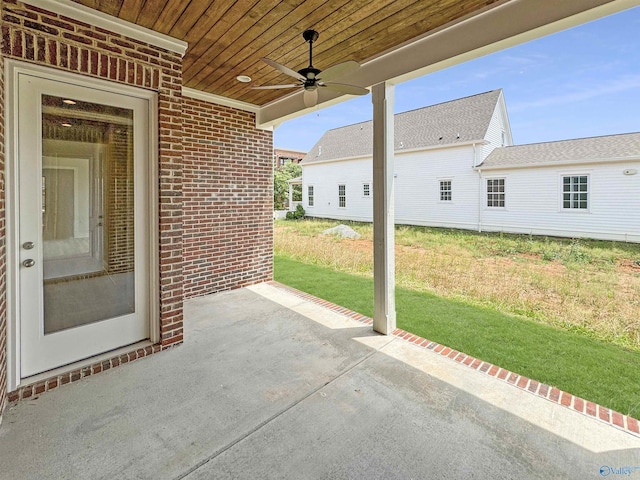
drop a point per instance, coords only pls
(629, 266)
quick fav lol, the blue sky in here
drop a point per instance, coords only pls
(581, 82)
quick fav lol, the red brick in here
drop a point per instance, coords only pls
(566, 399)
(617, 419)
(543, 390)
(632, 425)
(604, 413)
(522, 382)
(578, 404)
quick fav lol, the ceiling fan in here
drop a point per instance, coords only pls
(310, 78)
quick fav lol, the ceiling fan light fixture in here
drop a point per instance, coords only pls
(243, 78)
(311, 78)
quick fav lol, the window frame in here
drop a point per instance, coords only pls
(366, 190)
(561, 191)
(311, 196)
(503, 193)
(441, 181)
(342, 199)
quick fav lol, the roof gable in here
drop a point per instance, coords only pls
(458, 121)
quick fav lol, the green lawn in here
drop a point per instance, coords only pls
(603, 373)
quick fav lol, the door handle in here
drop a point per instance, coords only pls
(28, 245)
(29, 262)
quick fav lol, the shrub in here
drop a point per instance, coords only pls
(297, 214)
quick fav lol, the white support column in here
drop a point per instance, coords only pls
(384, 312)
(290, 197)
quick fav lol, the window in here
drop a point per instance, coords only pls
(310, 198)
(495, 192)
(445, 190)
(366, 189)
(575, 192)
(342, 196)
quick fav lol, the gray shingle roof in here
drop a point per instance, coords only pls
(606, 148)
(458, 121)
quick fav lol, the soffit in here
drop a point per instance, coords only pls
(226, 38)
(395, 40)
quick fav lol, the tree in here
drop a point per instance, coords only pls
(281, 187)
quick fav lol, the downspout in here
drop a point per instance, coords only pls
(475, 161)
(479, 200)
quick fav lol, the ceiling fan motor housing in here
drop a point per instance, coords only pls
(310, 35)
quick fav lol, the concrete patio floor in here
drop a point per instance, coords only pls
(268, 385)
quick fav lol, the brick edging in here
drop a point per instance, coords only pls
(34, 389)
(553, 394)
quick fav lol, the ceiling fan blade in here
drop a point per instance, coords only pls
(274, 87)
(310, 98)
(339, 70)
(348, 89)
(283, 69)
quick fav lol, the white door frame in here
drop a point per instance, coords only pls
(13, 69)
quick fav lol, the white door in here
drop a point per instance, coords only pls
(83, 285)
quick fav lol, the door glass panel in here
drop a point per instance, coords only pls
(87, 212)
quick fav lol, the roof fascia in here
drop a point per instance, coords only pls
(399, 152)
(562, 163)
(508, 24)
(90, 16)
(507, 123)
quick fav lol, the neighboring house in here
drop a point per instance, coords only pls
(281, 157)
(436, 148)
(587, 187)
(455, 167)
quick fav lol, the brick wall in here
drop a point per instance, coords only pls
(37, 36)
(119, 201)
(216, 200)
(228, 199)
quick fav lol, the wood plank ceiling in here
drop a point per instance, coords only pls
(227, 37)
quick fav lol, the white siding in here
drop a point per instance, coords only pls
(417, 188)
(325, 178)
(498, 127)
(533, 203)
